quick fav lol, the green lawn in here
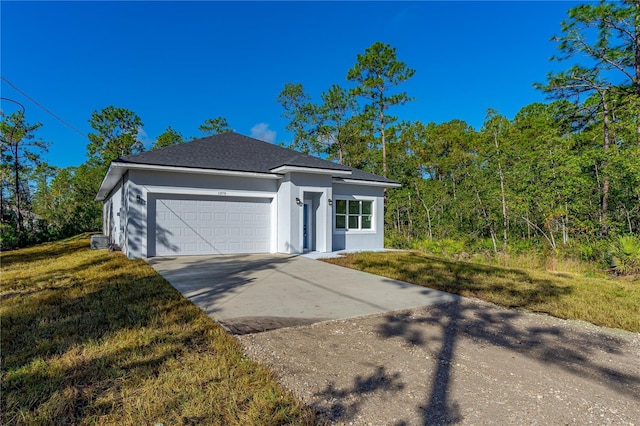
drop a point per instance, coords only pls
(90, 337)
(608, 302)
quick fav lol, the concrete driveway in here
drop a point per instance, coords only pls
(251, 293)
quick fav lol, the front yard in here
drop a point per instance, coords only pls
(90, 337)
(606, 302)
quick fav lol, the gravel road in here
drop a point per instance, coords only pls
(464, 362)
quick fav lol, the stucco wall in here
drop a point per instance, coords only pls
(317, 188)
(140, 188)
(360, 239)
(152, 179)
(287, 214)
(112, 212)
(151, 184)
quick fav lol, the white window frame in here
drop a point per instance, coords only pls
(359, 230)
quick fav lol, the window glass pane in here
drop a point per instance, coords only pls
(354, 207)
(367, 207)
(366, 222)
(341, 221)
(341, 206)
(353, 222)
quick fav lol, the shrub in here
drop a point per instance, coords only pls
(446, 247)
(625, 255)
(8, 237)
(395, 240)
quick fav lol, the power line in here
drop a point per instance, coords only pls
(17, 123)
(15, 102)
(43, 107)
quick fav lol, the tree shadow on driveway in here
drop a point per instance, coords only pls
(344, 404)
(465, 361)
(576, 349)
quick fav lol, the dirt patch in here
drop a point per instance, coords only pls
(466, 362)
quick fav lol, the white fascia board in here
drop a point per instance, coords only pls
(367, 183)
(110, 180)
(174, 190)
(313, 170)
(176, 169)
(116, 170)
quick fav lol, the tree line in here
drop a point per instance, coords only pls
(41, 202)
(560, 175)
(557, 175)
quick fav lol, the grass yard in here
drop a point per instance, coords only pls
(607, 302)
(90, 337)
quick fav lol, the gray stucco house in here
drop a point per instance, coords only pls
(229, 194)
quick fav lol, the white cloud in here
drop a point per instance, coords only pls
(144, 138)
(261, 131)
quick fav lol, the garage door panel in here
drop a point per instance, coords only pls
(188, 225)
(263, 246)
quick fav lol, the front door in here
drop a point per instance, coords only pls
(307, 223)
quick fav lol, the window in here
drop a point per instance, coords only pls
(354, 214)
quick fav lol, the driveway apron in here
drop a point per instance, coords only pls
(251, 293)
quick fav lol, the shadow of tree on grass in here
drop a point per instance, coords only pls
(74, 337)
(47, 251)
(465, 279)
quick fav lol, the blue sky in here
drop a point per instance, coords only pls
(179, 63)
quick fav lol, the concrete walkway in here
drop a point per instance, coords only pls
(250, 293)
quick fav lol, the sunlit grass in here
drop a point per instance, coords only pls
(607, 302)
(91, 337)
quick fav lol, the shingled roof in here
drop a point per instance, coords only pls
(236, 152)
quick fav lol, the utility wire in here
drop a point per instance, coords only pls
(15, 102)
(15, 126)
(43, 107)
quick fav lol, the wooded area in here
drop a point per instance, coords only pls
(563, 176)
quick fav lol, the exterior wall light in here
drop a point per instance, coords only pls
(298, 202)
(330, 202)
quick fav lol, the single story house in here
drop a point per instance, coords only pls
(230, 193)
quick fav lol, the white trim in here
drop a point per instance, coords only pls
(314, 170)
(367, 183)
(221, 192)
(114, 173)
(117, 169)
(322, 216)
(274, 224)
(199, 170)
(359, 231)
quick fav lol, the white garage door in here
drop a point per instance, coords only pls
(213, 225)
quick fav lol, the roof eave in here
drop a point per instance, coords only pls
(389, 184)
(312, 170)
(113, 176)
(118, 169)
